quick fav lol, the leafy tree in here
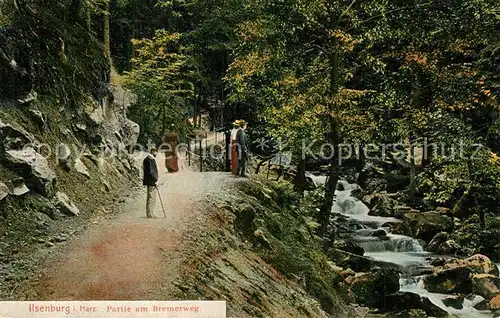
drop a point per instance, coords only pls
(162, 77)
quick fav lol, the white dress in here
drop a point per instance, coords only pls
(233, 133)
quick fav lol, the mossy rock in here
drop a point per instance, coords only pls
(412, 313)
(425, 225)
(348, 260)
(245, 215)
(406, 301)
(478, 264)
(370, 289)
(486, 285)
(450, 281)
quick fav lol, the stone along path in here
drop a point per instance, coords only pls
(131, 257)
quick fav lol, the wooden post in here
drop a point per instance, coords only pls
(189, 152)
(201, 158)
(228, 150)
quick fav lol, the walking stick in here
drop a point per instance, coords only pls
(161, 201)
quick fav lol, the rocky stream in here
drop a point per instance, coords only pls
(462, 287)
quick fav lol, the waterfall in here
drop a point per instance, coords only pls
(354, 208)
(381, 245)
(393, 243)
(317, 180)
(347, 204)
(414, 285)
(406, 244)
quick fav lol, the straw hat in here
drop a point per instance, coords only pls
(236, 122)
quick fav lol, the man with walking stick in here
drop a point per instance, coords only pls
(150, 177)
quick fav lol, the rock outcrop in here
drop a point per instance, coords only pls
(494, 303)
(13, 138)
(34, 168)
(81, 168)
(64, 204)
(4, 191)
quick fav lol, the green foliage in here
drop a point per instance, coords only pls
(162, 78)
(480, 240)
(475, 175)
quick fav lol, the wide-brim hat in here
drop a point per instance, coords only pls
(242, 122)
(237, 122)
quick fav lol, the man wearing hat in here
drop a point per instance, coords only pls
(150, 177)
(242, 142)
(234, 147)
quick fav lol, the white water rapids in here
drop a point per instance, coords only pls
(393, 248)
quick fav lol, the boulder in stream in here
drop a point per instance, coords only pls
(441, 244)
(370, 289)
(380, 204)
(449, 247)
(399, 228)
(349, 246)
(412, 313)
(449, 281)
(494, 303)
(381, 234)
(478, 264)
(405, 301)
(454, 302)
(456, 276)
(436, 241)
(349, 260)
(425, 225)
(486, 285)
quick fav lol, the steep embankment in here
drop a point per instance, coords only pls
(60, 163)
(257, 252)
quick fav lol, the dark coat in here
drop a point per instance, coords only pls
(150, 171)
(242, 141)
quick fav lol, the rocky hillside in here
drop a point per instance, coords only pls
(59, 162)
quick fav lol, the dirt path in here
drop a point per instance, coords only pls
(131, 257)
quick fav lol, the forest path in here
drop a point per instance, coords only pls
(131, 257)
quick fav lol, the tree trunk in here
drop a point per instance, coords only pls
(427, 153)
(333, 139)
(412, 188)
(300, 177)
(360, 164)
(330, 186)
(259, 165)
(133, 28)
(88, 18)
(107, 40)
